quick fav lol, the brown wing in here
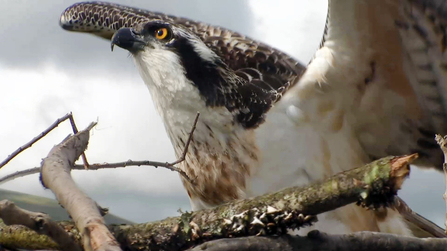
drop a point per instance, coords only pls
(422, 27)
(409, 40)
(424, 38)
(256, 62)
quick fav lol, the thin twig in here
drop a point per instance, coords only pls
(75, 130)
(41, 135)
(170, 166)
(185, 151)
(97, 166)
(19, 174)
(136, 163)
(442, 142)
(90, 127)
(35, 139)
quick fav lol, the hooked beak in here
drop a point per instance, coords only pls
(128, 39)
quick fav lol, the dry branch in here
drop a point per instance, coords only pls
(97, 166)
(372, 185)
(55, 175)
(39, 222)
(171, 166)
(315, 240)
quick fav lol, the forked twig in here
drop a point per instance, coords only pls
(97, 166)
(41, 135)
(170, 166)
(75, 130)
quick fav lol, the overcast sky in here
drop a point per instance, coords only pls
(46, 72)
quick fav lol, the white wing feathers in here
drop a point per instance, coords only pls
(376, 87)
(383, 64)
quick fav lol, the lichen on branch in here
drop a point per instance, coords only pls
(373, 185)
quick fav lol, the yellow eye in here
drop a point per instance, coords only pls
(161, 33)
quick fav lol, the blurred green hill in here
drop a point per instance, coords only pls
(49, 206)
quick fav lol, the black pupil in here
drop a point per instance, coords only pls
(160, 32)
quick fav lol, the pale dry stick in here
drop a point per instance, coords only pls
(170, 166)
(41, 135)
(55, 175)
(442, 142)
(39, 222)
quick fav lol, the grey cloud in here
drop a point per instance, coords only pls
(30, 34)
(423, 193)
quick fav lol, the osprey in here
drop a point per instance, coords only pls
(375, 87)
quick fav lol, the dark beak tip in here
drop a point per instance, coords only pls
(115, 40)
(124, 38)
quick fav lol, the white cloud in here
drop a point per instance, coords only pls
(295, 27)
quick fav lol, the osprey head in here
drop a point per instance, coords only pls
(181, 70)
(164, 45)
(151, 34)
(173, 57)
